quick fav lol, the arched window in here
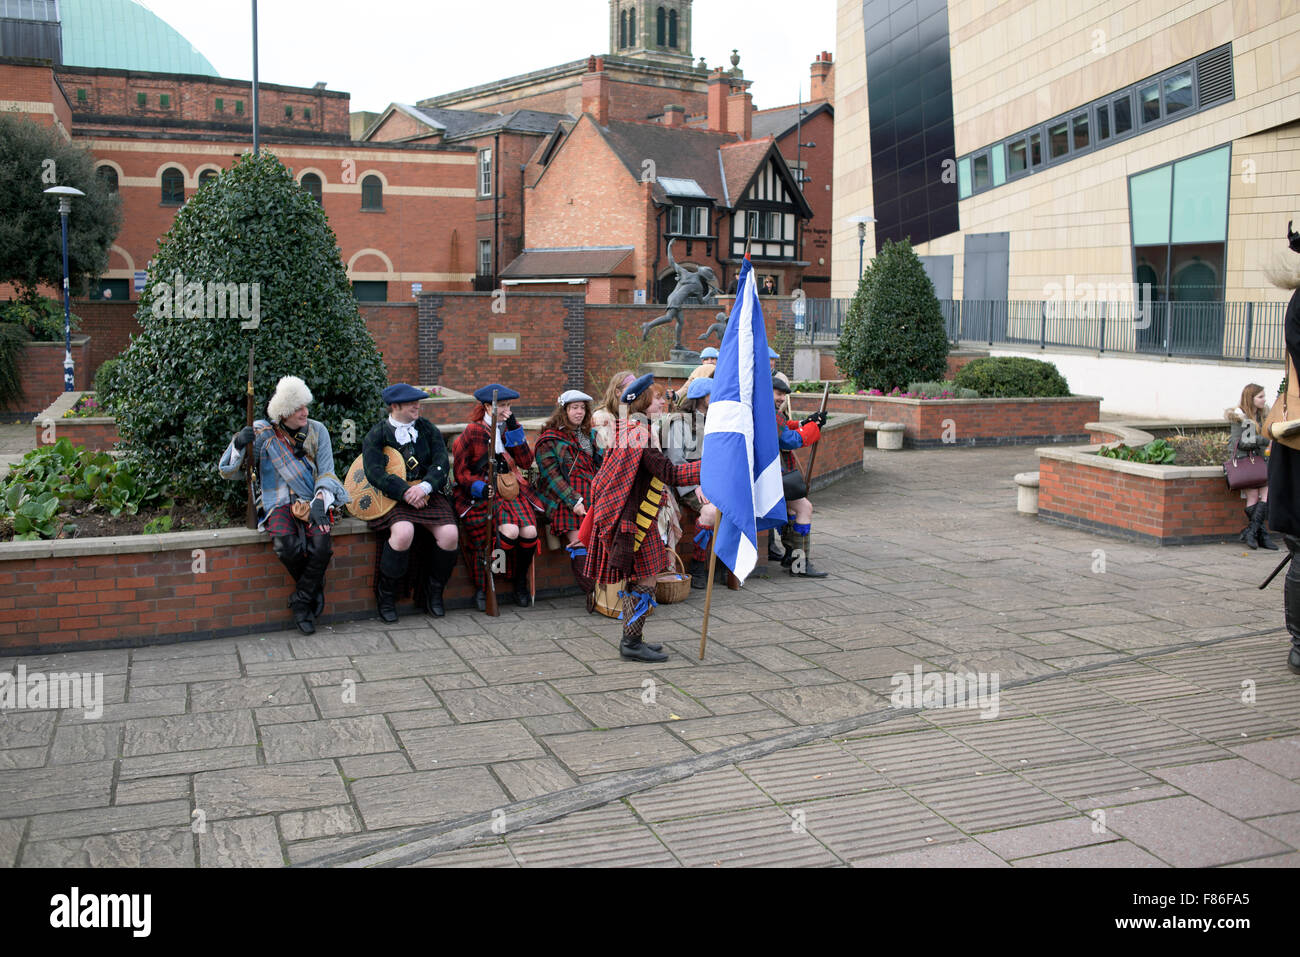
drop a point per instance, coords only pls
(661, 27)
(622, 29)
(372, 193)
(672, 29)
(311, 183)
(173, 187)
(207, 176)
(631, 26)
(109, 176)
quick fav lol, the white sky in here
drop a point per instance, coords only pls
(406, 50)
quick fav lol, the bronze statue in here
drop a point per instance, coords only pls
(691, 281)
(719, 325)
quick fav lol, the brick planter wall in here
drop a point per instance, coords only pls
(98, 433)
(969, 421)
(1156, 504)
(41, 372)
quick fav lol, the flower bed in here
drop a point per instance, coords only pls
(1156, 504)
(932, 423)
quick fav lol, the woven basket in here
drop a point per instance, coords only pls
(672, 587)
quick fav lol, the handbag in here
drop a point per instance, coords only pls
(795, 486)
(1251, 471)
(508, 481)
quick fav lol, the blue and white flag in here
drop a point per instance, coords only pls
(741, 470)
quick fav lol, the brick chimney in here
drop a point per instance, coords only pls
(719, 92)
(740, 114)
(674, 116)
(595, 91)
(823, 79)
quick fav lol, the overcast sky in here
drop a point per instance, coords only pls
(406, 50)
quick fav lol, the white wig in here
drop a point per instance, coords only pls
(291, 394)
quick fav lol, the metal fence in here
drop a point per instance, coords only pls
(1244, 331)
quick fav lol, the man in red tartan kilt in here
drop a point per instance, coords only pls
(422, 523)
(516, 518)
(622, 533)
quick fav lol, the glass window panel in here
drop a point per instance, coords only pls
(1123, 107)
(982, 175)
(999, 165)
(1178, 93)
(1017, 158)
(1149, 272)
(1149, 196)
(1149, 97)
(1058, 136)
(1201, 198)
(1103, 123)
(1035, 149)
(1196, 272)
(1080, 124)
(963, 177)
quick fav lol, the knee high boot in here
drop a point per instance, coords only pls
(441, 564)
(1261, 527)
(292, 552)
(803, 566)
(392, 569)
(1247, 536)
(790, 541)
(525, 549)
(637, 605)
(1291, 602)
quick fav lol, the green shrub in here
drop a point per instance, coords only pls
(13, 340)
(894, 332)
(941, 390)
(180, 386)
(1011, 376)
(41, 317)
(1158, 452)
(106, 381)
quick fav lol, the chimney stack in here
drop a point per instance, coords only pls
(719, 92)
(740, 113)
(823, 79)
(595, 91)
(674, 116)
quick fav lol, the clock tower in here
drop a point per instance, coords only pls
(651, 30)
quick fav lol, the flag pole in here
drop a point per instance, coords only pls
(708, 595)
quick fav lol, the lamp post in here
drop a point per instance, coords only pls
(65, 194)
(862, 235)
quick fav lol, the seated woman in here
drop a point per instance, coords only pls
(684, 442)
(567, 460)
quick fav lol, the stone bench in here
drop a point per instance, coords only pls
(1027, 493)
(889, 435)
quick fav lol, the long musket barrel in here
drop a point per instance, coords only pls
(489, 584)
(807, 478)
(250, 508)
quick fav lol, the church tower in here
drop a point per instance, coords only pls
(651, 30)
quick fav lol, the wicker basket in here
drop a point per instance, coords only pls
(671, 587)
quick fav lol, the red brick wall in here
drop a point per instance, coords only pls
(1167, 511)
(829, 368)
(817, 231)
(31, 82)
(41, 371)
(96, 436)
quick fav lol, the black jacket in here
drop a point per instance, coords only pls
(429, 452)
(1283, 462)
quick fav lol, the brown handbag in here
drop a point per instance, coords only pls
(301, 510)
(508, 481)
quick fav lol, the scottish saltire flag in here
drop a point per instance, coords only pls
(741, 461)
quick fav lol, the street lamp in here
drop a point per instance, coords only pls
(862, 235)
(65, 194)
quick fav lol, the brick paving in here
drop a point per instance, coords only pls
(1146, 717)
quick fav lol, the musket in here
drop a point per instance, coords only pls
(807, 476)
(1280, 565)
(489, 584)
(250, 508)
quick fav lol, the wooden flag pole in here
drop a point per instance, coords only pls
(708, 595)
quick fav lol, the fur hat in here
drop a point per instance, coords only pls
(291, 394)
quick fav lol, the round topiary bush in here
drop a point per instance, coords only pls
(250, 248)
(1012, 376)
(894, 332)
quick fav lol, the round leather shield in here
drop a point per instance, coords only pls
(367, 501)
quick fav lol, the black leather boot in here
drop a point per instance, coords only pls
(1247, 536)
(392, 569)
(802, 545)
(632, 646)
(441, 564)
(1291, 602)
(699, 573)
(292, 552)
(525, 549)
(310, 594)
(1260, 524)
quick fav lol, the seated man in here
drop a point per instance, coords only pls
(295, 463)
(795, 435)
(708, 362)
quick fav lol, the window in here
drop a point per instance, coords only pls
(288, 112)
(306, 113)
(372, 193)
(485, 172)
(485, 257)
(239, 107)
(661, 28)
(207, 176)
(370, 291)
(622, 29)
(765, 225)
(631, 26)
(1149, 97)
(164, 100)
(672, 29)
(142, 99)
(1103, 123)
(688, 220)
(981, 174)
(311, 183)
(221, 105)
(173, 187)
(109, 177)
(1079, 131)
(1058, 139)
(1123, 109)
(81, 95)
(1178, 93)
(1035, 149)
(1017, 158)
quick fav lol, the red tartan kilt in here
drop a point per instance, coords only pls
(519, 511)
(649, 560)
(282, 522)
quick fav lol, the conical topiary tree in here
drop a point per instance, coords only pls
(249, 246)
(894, 333)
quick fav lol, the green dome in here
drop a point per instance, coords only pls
(123, 35)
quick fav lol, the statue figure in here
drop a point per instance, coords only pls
(699, 282)
(719, 326)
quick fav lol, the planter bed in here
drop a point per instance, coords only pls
(1155, 504)
(969, 422)
(97, 433)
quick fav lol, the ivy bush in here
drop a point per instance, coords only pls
(894, 333)
(180, 386)
(1011, 376)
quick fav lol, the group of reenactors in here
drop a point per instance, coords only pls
(611, 483)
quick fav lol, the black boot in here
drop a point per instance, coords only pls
(1260, 525)
(772, 554)
(1247, 536)
(310, 594)
(632, 646)
(802, 546)
(790, 541)
(699, 573)
(1291, 602)
(292, 552)
(525, 549)
(441, 563)
(392, 569)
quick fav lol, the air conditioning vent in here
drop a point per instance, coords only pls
(1214, 76)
